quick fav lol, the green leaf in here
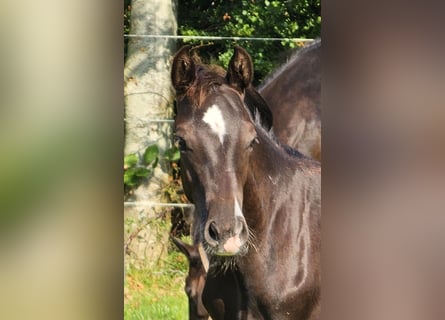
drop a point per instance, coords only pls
(172, 154)
(134, 175)
(129, 178)
(151, 154)
(131, 160)
(142, 172)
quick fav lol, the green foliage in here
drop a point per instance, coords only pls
(127, 24)
(151, 155)
(137, 170)
(172, 154)
(250, 18)
(127, 16)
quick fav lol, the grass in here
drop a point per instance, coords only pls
(158, 293)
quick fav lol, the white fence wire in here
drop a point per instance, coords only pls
(157, 204)
(160, 36)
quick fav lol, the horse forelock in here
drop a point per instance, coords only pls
(207, 78)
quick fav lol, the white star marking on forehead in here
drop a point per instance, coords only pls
(213, 117)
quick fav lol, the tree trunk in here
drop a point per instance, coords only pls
(148, 97)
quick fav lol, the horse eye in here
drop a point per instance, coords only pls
(180, 144)
(255, 140)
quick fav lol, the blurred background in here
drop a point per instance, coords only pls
(63, 136)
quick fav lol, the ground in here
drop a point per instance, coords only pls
(158, 293)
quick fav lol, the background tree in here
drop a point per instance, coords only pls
(250, 18)
(148, 96)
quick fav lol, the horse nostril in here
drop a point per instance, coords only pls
(213, 231)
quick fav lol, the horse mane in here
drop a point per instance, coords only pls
(297, 53)
(270, 134)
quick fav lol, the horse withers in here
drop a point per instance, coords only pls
(257, 203)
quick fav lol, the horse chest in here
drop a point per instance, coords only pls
(265, 284)
(277, 280)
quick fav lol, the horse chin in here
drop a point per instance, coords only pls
(226, 254)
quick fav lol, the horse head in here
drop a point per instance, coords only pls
(215, 134)
(195, 281)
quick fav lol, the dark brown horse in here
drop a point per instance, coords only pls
(257, 204)
(293, 94)
(224, 302)
(195, 281)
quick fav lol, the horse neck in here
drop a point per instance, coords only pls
(275, 175)
(267, 153)
(269, 165)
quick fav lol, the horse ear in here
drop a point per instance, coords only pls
(240, 70)
(183, 70)
(185, 248)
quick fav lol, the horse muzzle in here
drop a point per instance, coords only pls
(226, 239)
